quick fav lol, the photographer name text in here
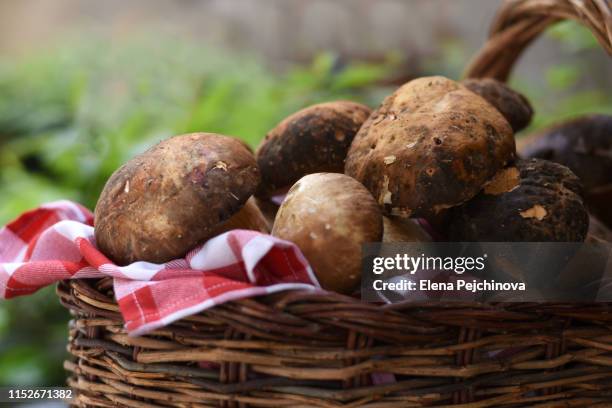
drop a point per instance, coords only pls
(474, 286)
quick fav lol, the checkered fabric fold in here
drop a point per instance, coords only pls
(56, 242)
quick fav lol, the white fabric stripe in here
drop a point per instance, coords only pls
(140, 270)
(311, 274)
(253, 252)
(73, 230)
(22, 254)
(66, 205)
(111, 270)
(2, 283)
(216, 253)
(126, 287)
(11, 267)
(13, 246)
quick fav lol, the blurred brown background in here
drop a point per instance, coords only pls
(281, 30)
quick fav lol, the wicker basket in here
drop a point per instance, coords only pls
(304, 349)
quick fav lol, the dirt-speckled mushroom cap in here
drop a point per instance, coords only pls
(431, 145)
(329, 216)
(584, 145)
(312, 140)
(537, 200)
(162, 203)
(514, 106)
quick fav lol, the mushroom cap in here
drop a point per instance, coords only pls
(329, 216)
(314, 139)
(537, 200)
(431, 145)
(585, 146)
(514, 106)
(162, 203)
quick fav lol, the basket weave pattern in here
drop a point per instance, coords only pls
(303, 349)
(307, 349)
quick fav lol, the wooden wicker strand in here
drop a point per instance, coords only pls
(519, 22)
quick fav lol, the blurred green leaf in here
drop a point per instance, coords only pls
(359, 76)
(574, 36)
(4, 320)
(20, 367)
(562, 77)
(33, 345)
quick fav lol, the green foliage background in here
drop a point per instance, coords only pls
(69, 116)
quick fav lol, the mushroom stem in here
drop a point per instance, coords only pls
(249, 217)
(268, 209)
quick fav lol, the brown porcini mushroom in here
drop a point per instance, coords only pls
(537, 200)
(312, 140)
(431, 145)
(329, 216)
(162, 203)
(514, 106)
(584, 145)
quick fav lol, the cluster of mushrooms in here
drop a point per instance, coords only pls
(436, 161)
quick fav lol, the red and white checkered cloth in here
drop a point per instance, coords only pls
(56, 242)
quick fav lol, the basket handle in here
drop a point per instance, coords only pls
(519, 22)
